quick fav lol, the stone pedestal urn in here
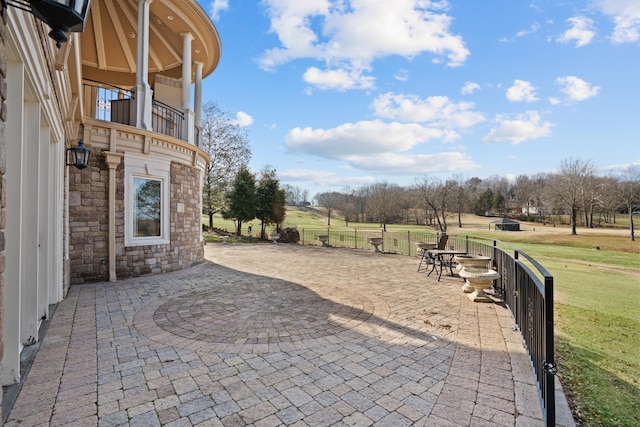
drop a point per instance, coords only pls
(376, 241)
(480, 279)
(324, 239)
(470, 261)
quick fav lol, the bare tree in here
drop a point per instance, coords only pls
(629, 194)
(361, 196)
(384, 202)
(590, 195)
(523, 190)
(347, 205)
(329, 201)
(436, 195)
(568, 186)
(228, 147)
(296, 196)
(459, 199)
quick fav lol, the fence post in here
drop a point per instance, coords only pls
(409, 242)
(549, 364)
(355, 238)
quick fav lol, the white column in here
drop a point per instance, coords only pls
(112, 159)
(186, 70)
(45, 215)
(10, 366)
(29, 235)
(197, 103)
(143, 90)
(188, 124)
(197, 96)
(55, 221)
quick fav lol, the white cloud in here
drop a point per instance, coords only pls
(522, 33)
(402, 75)
(322, 178)
(355, 139)
(305, 175)
(581, 31)
(438, 111)
(576, 89)
(469, 88)
(524, 127)
(243, 119)
(218, 6)
(414, 164)
(338, 79)
(626, 17)
(351, 34)
(522, 91)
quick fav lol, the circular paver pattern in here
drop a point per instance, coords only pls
(271, 311)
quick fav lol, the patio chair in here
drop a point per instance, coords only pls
(424, 247)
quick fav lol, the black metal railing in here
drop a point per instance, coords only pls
(107, 102)
(524, 285)
(166, 120)
(116, 104)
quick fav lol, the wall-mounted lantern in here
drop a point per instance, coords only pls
(79, 156)
(62, 16)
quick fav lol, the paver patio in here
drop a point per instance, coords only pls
(271, 335)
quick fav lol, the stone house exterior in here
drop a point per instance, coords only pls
(124, 87)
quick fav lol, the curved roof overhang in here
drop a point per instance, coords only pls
(109, 40)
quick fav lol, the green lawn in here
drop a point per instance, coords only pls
(597, 308)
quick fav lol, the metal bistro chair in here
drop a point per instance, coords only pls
(424, 247)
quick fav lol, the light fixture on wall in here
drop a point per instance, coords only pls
(63, 16)
(79, 155)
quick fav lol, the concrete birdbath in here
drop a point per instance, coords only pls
(224, 239)
(275, 237)
(324, 239)
(376, 241)
(470, 261)
(480, 279)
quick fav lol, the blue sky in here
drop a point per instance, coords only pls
(338, 93)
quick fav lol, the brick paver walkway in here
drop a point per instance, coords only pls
(272, 335)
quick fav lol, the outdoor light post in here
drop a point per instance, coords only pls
(79, 155)
(63, 16)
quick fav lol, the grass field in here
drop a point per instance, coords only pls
(597, 305)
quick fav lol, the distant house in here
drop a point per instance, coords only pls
(530, 210)
(506, 224)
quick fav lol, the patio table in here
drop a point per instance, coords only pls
(441, 258)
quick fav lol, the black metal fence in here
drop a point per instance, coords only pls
(166, 120)
(524, 285)
(106, 102)
(115, 104)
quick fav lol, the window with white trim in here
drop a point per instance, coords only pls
(146, 201)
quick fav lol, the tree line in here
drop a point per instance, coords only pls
(575, 190)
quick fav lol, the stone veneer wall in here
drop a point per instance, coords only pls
(3, 191)
(88, 213)
(89, 221)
